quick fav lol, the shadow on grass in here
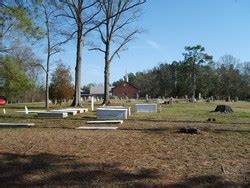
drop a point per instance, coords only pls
(64, 170)
(48, 169)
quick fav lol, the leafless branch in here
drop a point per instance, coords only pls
(98, 49)
(125, 41)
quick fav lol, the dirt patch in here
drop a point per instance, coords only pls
(55, 156)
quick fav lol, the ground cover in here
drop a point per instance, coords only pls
(147, 150)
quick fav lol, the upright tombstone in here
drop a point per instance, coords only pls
(146, 97)
(92, 103)
(193, 99)
(212, 98)
(26, 110)
(137, 96)
(228, 99)
(199, 97)
(236, 99)
(4, 111)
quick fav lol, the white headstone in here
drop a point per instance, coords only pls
(26, 110)
(199, 97)
(92, 103)
(4, 111)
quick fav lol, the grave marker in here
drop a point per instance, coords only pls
(146, 107)
(53, 114)
(92, 103)
(111, 114)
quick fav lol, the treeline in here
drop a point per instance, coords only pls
(225, 79)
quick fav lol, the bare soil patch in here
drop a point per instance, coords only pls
(56, 156)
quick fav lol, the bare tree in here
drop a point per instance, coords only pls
(80, 16)
(47, 11)
(116, 32)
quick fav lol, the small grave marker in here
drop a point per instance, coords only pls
(92, 103)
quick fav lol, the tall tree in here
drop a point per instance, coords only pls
(81, 17)
(195, 56)
(115, 32)
(46, 11)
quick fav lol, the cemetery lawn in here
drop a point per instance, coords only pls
(146, 150)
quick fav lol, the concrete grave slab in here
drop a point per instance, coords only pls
(146, 107)
(119, 107)
(30, 111)
(79, 110)
(52, 114)
(16, 125)
(111, 114)
(97, 128)
(106, 122)
(70, 112)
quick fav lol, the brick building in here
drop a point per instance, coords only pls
(125, 89)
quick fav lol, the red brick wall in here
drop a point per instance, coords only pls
(125, 89)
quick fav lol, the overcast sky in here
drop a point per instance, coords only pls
(221, 26)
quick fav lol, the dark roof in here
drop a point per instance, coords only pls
(126, 83)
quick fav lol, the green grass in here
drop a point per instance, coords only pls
(199, 112)
(176, 112)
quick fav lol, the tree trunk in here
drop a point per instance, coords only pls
(47, 85)
(106, 84)
(193, 84)
(48, 59)
(77, 95)
(106, 100)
